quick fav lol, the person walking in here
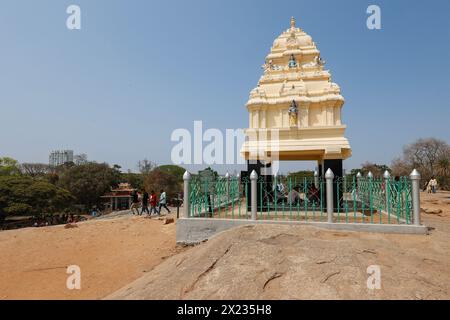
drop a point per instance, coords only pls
(433, 184)
(153, 203)
(163, 202)
(145, 198)
(135, 202)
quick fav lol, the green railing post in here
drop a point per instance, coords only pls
(276, 194)
(261, 198)
(238, 185)
(354, 198)
(389, 198)
(290, 200)
(359, 196)
(186, 181)
(305, 192)
(253, 179)
(338, 185)
(370, 176)
(321, 199)
(246, 198)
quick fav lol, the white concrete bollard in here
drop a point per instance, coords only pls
(415, 184)
(329, 176)
(316, 179)
(186, 179)
(253, 179)
(387, 188)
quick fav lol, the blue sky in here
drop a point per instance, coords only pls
(137, 70)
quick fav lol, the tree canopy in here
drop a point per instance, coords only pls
(35, 169)
(430, 156)
(376, 169)
(9, 166)
(23, 195)
(158, 179)
(174, 170)
(88, 182)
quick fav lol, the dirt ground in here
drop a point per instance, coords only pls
(304, 262)
(128, 257)
(110, 252)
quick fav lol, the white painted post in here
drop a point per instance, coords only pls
(370, 177)
(358, 178)
(415, 182)
(329, 176)
(387, 182)
(253, 179)
(186, 179)
(316, 179)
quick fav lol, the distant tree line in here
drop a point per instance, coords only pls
(36, 189)
(431, 157)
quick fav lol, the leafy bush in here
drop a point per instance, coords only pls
(22, 195)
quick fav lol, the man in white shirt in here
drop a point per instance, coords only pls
(433, 184)
(163, 202)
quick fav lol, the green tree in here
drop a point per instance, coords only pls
(22, 195)
(136, 180)
(376, 169)
(430, 156)
(35, 169)
(300, 175)
(157, 180)
(146, 166)
(9, 166)
(174, 170)
(88, 182)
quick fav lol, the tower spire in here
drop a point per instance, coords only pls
(292, 22)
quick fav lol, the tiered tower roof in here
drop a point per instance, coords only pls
(294, 70)
(296, 97)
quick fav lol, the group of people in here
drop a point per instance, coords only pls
(293, 196)
(56, 220)
(143, 202)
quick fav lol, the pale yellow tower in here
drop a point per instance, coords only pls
(296, 98)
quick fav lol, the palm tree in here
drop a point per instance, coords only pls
(443, 167)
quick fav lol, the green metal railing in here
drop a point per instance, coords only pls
(375, 200)
(224, 197)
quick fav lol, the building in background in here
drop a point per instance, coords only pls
(60, 157)
(119, 198)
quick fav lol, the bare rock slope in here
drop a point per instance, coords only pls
(300, 262)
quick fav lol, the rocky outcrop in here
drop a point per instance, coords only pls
(298, 262)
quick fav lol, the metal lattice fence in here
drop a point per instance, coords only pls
(356, 199)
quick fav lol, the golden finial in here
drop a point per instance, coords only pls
(292, 22)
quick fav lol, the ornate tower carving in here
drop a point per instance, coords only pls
(296, 97)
